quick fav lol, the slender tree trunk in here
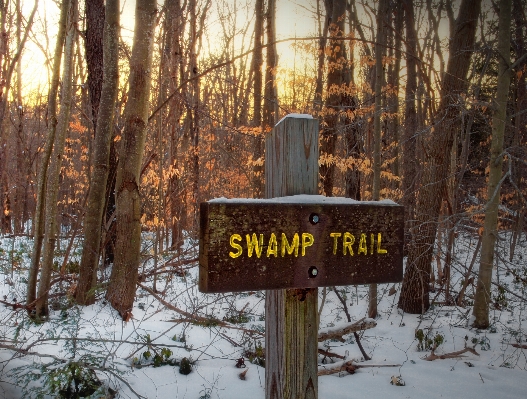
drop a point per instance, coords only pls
(38, 222)
(52, 188)
(482, 298)
(7, 75)
(7, 68)
(195, 116)
(123, 280)
(380, 44)
(178, 206)
(352, 136)
(5, 201)
(256, 67)
(101, 159)
(338, 76)
(414, 296)
(322, 32)
(393, 99)
(94, 54)
(519, 169)
(409, 180)
(270, 110)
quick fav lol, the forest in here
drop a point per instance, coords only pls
(119, 118)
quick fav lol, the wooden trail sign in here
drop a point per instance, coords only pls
(230, 230)
(300, 241)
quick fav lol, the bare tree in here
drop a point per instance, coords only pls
(95, 10)
(101, 157)
(52, 185)
(482, 298)
(409, 179)
(121, 290)
(256, 70)
(336, 99)
(270, 109)
(38, 221)
(414, 296)
(380, 45)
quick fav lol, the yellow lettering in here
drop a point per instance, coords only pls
(307, 241)
(272, 248)
(237, 247)
(289, 248)
(254, 244)
(335, 241)
(379, 249)
(372, 241)
(363, 248)
(348, 241)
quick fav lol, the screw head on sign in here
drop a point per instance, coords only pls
(314, 218)
(312, 272)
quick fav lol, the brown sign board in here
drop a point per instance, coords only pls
(298, 242)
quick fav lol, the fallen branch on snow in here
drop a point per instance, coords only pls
(338, 333)
(450, 355)
(349, 367)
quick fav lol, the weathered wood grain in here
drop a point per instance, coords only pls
(291, 167)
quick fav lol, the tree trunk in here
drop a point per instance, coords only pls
(177, 192)
(380, 44)
(38, 222)
(94, 54)
(7, 68)
(482, 298)
(393, 99)
(519, 169)
(352, 135)
(256, 67)
(270, 110)
(101, 159)
(52, 187)
(414, 296)
(338, 77)
(123, 280)
(7, 74)
(195, 115)
(409, 180)
(322, 32)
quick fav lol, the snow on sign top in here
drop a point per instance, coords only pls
(300, 116)
(301, 199)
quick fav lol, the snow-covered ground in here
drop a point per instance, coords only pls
(122, 354)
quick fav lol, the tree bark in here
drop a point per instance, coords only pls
(101, 159)
(177, 191)
(38, 222)
(519, 169)
(52, 187)
(94, 54)
(352, 135)
(380, 44)
(482, 299)
(270, 109)
(256, 66)
(393, 134)
(121, 290)
(338, 78)
(409, 179)
(414, 296)
(317, 100)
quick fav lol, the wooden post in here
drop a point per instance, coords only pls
(291, 168)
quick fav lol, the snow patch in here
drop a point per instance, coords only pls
(293, 115)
